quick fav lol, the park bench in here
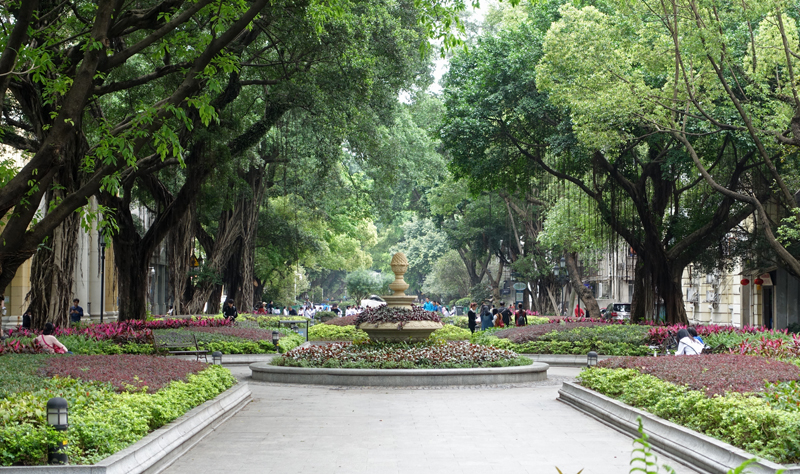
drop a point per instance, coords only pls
(178, 343)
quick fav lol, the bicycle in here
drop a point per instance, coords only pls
(668, 346)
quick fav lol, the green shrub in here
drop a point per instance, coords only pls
(745, 421)
(290, 341)
(451, 333)
(329, 332)
(578, 346)
(101, 422)
(459, 321)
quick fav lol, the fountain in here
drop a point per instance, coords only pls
(393, 323)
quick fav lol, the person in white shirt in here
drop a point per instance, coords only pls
(687, 345)
(286, 311)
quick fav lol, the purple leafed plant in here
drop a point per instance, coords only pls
(385, 314)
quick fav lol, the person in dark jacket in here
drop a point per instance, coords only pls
(522, 316)
(471, 317)
(486, 317)
(229, 311)
(505, 313)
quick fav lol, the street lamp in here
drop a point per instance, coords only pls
(58, 418)
(102, 241)
(591, 359)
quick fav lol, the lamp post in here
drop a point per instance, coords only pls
(591, 359)
(275, 338)
(102, 241)
(58, 418)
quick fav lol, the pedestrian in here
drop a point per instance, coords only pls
(292, 311)
(75, 312)
(229, 311)
(505, 313)
(471, 317)
(335, 310)
(522, 316)
(579, 312)
(49, 343)
(498, 318)
(26, 320)
(486, 317)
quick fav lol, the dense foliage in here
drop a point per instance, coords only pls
(102, 421)
(747, 422)
(331, 332)
(400, 356)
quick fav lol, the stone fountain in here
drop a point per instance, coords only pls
(411, 331)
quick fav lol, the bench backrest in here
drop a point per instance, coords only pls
(175, 340)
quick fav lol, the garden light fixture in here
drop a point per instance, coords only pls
(275, 337)
(58, 418)
(591, 359)
(216, 358)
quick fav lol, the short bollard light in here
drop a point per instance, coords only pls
(275, 337)
(58, 418)
(591, 359)
(295, 328)
(216, 357)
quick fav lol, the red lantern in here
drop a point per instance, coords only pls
(744, 282)
(758, 281)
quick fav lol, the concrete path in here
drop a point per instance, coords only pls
(491, 429)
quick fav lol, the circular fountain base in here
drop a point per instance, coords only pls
(264, 372)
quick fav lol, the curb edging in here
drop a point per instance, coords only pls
(702, 452)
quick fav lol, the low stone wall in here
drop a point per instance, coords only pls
(264, 372)
(163, 446)
(703, 453)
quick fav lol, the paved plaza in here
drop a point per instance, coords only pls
(490, 429)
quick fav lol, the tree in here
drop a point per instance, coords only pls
(515, 111)
(422, 244)
(363, 283)
(448, 279)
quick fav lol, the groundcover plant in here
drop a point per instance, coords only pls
(386, 314)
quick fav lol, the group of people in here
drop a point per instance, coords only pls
(491, 316)
(689, 343)
(436, 307)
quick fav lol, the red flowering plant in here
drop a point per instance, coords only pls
(344, 321)
(386, 314)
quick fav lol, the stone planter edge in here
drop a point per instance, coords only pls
(701, 452)
(160, 448)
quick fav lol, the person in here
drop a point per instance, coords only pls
(335, 309)
(522, 316)
(229, 311)
(486, 318)
(471, 317)
(579, 312)
(270, 306)
(505, 313)
(428, 306)
(48, 341)
(262, 309)
(498, 318)
(26, 320)
(687, 345)
(170, 310)
(693, 332)
(75, 312)
(292, 311)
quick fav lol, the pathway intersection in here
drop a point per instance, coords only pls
(485, 429)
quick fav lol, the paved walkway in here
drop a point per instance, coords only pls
(491, 429)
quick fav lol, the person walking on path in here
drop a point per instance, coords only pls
(75, 312)
(505, 313)
(522, 316)
(486, 317)
(471, 317)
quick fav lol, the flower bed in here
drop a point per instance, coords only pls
(520, 335)
(714, 333)
(102, 420)
(760, 424)
(400, 356)
(331, 332)
(123, 372)
(714, 374)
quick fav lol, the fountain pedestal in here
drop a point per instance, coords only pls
(411, 331)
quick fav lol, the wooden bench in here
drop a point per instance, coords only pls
(179, 344)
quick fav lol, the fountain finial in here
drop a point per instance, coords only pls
(399, 299)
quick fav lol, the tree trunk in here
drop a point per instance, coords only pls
(179, 245)
(133, 267)
(585, 294)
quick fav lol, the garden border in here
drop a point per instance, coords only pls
(162, 447)
(700, 451)
(264, 372)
